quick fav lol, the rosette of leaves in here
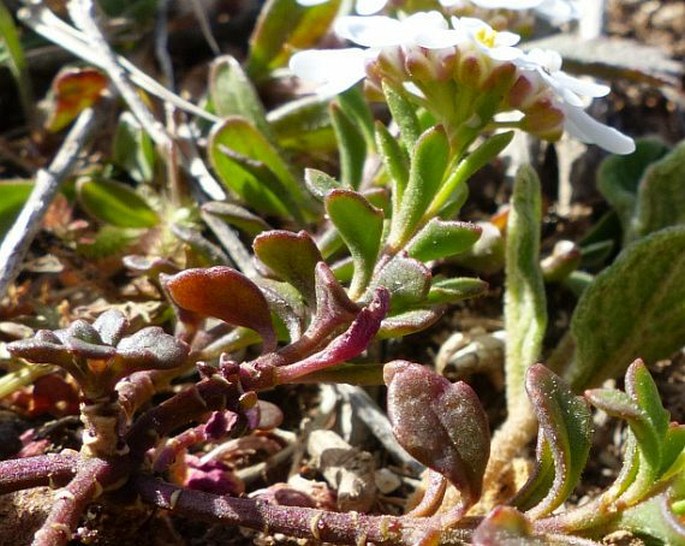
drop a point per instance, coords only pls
(98, 355)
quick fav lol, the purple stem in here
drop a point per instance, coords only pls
(72, 500)
(16, 474)
(333, 527)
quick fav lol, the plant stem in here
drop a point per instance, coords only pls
(17, 474)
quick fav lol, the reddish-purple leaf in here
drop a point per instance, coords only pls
(441, 424)
(226, 294)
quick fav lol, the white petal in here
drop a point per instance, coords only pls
(438, 39)
(505, 38)
(581, 87)
(503, 53)
(308, 3)
(368, 7)
(509, 4)
(587, 129)
(558, 12)
(372, 31)
(335, 69)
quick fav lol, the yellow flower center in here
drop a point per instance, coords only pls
(486, 36)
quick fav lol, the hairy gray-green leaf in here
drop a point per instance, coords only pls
(404, 114)
(525, 313)
(396, 161)
(618, 178)
(407, 280)
(351, 146)
(440, 239)
(661, 195)
(635, 308)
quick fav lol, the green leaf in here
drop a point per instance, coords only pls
(355, 106)
(304, 125)
(441, 424)
(320, 183)
(133, 149)
(360, 225)
(226, 294)
(661, 195)
(441, 239)
(404, 114)
(633, 309)
(409, 322)
(566, 426)
(525, 311)
(428, 164)
(13, 195)
(455, 289)
(109, 241)
(351, 147)
(618, 177)
(238, 152)
(285, 26)
(16, 60)
(233, 94)
(292, 256)
(115, 203)
(237, 216)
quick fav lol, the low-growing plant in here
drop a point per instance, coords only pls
(335, 265)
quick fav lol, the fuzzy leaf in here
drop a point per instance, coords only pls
(428, 164)
(235, 139)
(351, 147)
(13, 195)
(525, 311)
(404, 114)
(355, 106)
(226, 294)
(441, 424)
(304, 125)
(360, 225)
(115, 203)
(634, 308)
(618, 177)
(284, 26)
(505, 526)
(133, 149)
(396, 162)
(407, 280)
(292, 256)
(661, 196)
(151, 349)
(655, 518)
(319, 183)
(441, 239)
(233, 94)
(410, 322)
(566, 426)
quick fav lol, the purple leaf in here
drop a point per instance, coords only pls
(224, 293)
(441, 424)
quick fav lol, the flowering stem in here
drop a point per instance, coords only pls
(17, 474)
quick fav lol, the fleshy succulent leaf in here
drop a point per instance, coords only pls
(505, 526)
(632, 309)
(441, 239)
(455, 289)
(404, 114)
(566, 425)
(441, 424)
(407, 280)
(111, 326)
(236, 216)
(292, 256)
(410, 322)
(115, 203)
(224, 293)
(133, 150)
(360, 224)
(151, 349)
(396, 162)
(320, 183)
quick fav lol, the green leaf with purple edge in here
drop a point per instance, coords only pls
(407, 280)
(634, 308)
(226, 294)
(410, 322)
(115, 203)
(360, 225)
(429, 160)
(566, 424)
(441, 239)
(292, 256)
(441, 424)
(285, 26)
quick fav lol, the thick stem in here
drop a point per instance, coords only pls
(333, 527)
(17, 474)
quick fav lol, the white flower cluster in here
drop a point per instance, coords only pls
(428, 36)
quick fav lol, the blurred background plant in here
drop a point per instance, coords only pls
(292, 216)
